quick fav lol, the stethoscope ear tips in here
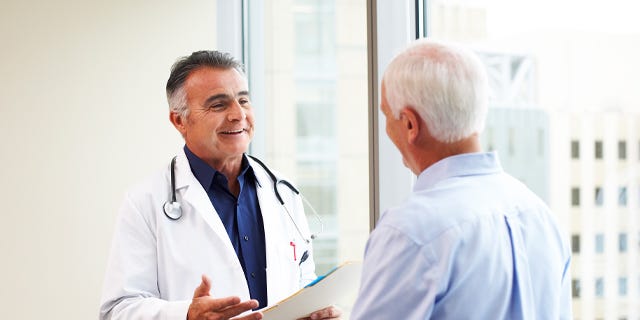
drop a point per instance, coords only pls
(172, 210)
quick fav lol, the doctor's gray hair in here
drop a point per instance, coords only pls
(445, 84)
(182, 68)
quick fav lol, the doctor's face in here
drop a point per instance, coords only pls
(219, 126)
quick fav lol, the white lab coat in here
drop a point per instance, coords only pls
(156, 263)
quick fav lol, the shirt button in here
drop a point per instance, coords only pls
(253, 274)
(246, 238)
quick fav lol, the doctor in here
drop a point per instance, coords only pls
(230, 247)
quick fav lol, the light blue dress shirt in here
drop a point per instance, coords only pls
(471, 242)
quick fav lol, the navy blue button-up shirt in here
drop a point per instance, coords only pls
(241, 218)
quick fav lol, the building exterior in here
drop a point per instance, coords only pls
(604, 152)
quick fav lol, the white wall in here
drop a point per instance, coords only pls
(82, 116)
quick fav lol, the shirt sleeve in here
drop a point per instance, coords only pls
(396, 278)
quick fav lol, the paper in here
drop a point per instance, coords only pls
(333, 288)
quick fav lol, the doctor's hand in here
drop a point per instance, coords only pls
(205, 307)
(327, 313)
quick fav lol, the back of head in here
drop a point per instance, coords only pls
(183, 67)
(446, 84)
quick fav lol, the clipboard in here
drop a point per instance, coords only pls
(341, 283)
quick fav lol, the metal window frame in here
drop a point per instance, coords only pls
(391, 26)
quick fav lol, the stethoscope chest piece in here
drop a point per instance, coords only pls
(172, 210)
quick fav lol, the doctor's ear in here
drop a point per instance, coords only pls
(178, 121)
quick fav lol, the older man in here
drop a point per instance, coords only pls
(471, 242)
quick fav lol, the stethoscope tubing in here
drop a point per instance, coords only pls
(173, 209)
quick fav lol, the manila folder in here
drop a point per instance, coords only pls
(334, 288)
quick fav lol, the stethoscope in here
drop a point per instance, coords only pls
(173, 209)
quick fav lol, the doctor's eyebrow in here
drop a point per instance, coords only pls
(224, 96)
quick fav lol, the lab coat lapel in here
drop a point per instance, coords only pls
(195, 201)
(272, 220)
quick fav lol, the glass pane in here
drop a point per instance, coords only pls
(575, 288)
(575, 243)
(622, 242)
(565, 67)
(599, 287)
(575, 149)
(599, 243)
(315, 109)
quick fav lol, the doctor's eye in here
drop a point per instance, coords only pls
(219, 105)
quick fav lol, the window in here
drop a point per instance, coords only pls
(622, 286)
(575, 149)
(622, 197)
(592, 143)
(575, 288)
(600, 287)
(622, 242)
(598, 149)
(575, 243)
(599, 198)
(575, 197)
(310, 83)
(622, 150)
(599, 243)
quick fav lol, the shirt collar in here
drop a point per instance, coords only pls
(205, 173)
(467, 164)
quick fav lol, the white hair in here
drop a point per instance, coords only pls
(445, 84)
(178, 102)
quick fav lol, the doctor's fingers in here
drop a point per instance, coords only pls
(251, 316)
(204, 288)
(207, 308)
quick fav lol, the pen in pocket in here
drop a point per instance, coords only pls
(304, 257)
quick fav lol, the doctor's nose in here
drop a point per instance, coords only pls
(236, 112)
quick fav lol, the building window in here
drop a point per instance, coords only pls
(575, 243)
(575, 197)
(575, 149)
(599, 243)
(599, 287)
(622, 197)
(622, 149)
(622, 242)
(575, 288)
(599, 198)
(598, 149)
(622, 286)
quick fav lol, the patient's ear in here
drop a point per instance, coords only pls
(411, 122)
